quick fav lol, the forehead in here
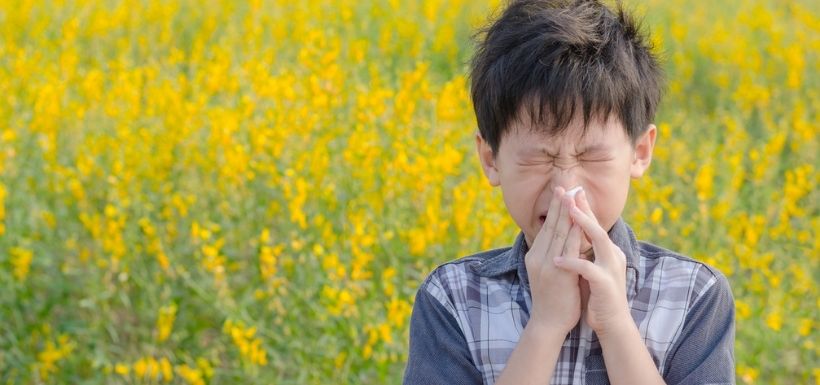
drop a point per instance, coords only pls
(522, 132)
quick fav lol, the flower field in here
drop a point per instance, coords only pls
(250, 192)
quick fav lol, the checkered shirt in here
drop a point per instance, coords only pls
(485, 298)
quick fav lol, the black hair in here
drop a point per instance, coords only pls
(545, 57)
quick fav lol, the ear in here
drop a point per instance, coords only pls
(643, 152)
(487, 159)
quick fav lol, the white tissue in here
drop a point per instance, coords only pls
(574, 190)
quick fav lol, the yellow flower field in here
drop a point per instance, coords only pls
(226, 192)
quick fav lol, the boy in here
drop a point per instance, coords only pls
(564, 94)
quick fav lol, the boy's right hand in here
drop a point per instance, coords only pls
(556, 298)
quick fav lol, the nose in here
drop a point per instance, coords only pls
(565, 174)
(565, 164)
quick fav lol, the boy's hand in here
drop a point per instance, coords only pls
(556, 299)
(607, 309)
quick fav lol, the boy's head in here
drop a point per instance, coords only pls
(564, 93)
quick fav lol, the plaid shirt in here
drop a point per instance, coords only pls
(469, 315)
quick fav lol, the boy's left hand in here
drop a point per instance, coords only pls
(607, 308)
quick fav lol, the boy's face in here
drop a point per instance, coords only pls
(530, 164)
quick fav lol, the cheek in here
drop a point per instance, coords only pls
(526, 182)
(522, 192)
(607, 196)
(521, 196)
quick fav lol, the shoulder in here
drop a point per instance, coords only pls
(453, 281)
(680, 274)
(675, 298)
(687, 318)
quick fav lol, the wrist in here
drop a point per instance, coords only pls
(545, 331)
(621, 328)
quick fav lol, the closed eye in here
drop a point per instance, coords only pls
(535, 162)
(596, 160)
(595, 152)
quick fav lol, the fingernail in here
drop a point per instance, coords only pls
(558, 260)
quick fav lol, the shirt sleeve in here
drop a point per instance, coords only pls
(704, 352)
(438, 350)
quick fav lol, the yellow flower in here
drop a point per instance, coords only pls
(21, 261)
(191, 375)
(747, 374)
(268, 257)
(250, 346)
(385, 333)
(205, 367)
(656, 216)
(165, 368)
(49, 219)
(340, 360)
(398, 312)
(52, 353)
(774, 320)
(742, 308)
(704, 181)
(3, 194)
(165, 321)
(805, 327)
(121, 369)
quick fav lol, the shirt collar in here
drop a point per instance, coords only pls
(512, 259)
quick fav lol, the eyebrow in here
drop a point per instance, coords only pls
(593, 148)
(533, 150)
(597, 147)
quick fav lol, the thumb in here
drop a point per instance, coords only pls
(583, 204)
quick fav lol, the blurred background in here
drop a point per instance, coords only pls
(214, 192)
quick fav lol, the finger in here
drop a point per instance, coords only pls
(554, 211)
(572, 247)
(582, 267)
(596, 234)
(544, 237)
(559, 236)
(619, 254)
(580, 200)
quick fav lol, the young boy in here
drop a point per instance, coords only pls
(564, 94)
